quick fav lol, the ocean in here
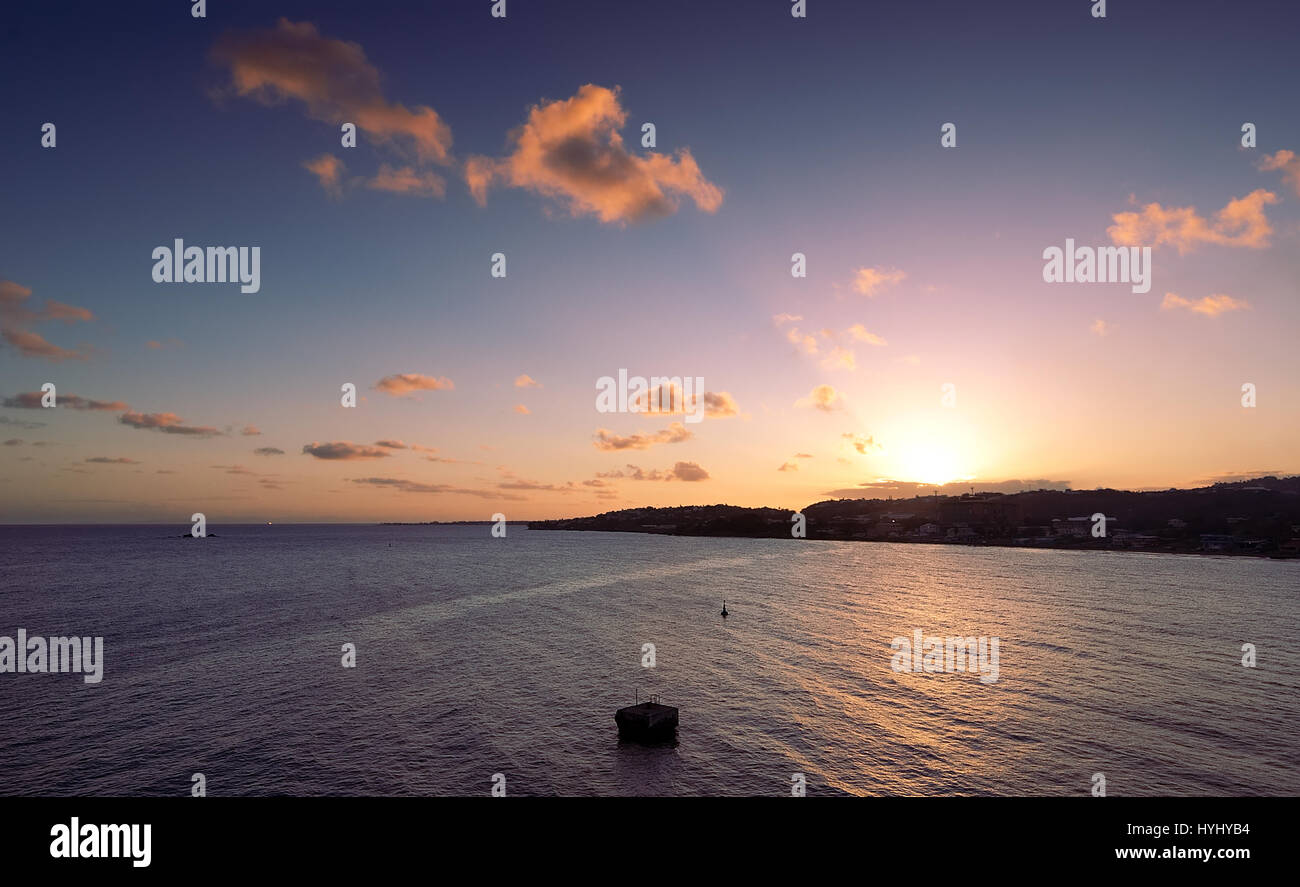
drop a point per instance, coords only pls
(478, 656)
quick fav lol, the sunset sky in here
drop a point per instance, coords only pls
(522, 136)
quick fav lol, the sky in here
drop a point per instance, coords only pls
(923, 346)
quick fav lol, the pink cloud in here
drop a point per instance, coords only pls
(407, 383)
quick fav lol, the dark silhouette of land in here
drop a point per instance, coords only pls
(1258, 517)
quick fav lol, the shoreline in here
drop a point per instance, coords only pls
(1190, 552)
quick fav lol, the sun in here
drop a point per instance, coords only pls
(929, 463)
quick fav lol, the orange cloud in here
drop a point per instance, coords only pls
(329, 170)
(1288, 163)
(869, 281)
(106, 460)
(334, 80)
(526, 381)
(687, 471)
(571, 151)
(521, 409)
(609, 441)
(1242, 222)
(407, 383)
(16, 318)
(410, 486)
(670, 399)
(31, 400)
(1210, 306)
(408, 181)
(861, 442)
(824, 398)
(343, 451)
(800, 340)
(860, 333)
(840, 359)
(31, 344)
(167, 423)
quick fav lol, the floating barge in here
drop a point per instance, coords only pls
(647, 721)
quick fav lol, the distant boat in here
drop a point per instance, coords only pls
(724, 609)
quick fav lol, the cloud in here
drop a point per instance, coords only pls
(391, 444)
(407, 383)
(824, 398)
(334, 81)
(14, 442)
(329, 170)
(343, 451)
(234, 469)
(410, 486)
(609, 441)
(408, 180)
(16, 318)
(526, 381)
(521, 484)
(860, 334)
(1241, 222)
(805, 342)
(782, 319)
(861, 442)
(269, 451)
(1100, 327)
(840, 359)
(30, 344)
(1210, 306)
(897, 489)
(1288, 163)
(669, 398)
(521, 409)
(720, 405)
(106, 460)
(571, 151)
(31, 400)
(869, 281)
(167, 423)
(27, 426)
(789, 466)
(250, 431)
(686, 471)
(689, 471)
